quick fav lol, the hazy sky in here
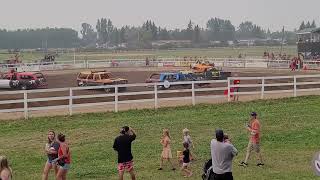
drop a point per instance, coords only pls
(166, 13)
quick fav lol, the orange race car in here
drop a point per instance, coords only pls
(99, 78)
(202, 67)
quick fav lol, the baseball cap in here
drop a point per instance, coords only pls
(253, 114)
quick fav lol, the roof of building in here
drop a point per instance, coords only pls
(309, 30)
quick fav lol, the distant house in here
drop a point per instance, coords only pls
(175, 43)
(309, 42)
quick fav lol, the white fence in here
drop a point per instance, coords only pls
(191, 91)
(160, 62)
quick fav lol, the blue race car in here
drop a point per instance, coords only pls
(168, 77)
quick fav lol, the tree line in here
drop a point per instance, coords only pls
(105, 35)
(38, 38)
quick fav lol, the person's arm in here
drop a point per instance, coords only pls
(132, 134)
(234, 151)
(115, 145)
(190, 141)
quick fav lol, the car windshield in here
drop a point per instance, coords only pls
(39, 75)
(82, 76)
(155, 76)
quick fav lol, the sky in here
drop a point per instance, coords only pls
(273, 14)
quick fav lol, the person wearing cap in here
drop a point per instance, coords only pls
(122, 144)
(254, 141)
(236, 82)
(222, 154)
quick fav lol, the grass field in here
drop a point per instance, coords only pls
(214, 52)
(290, 137)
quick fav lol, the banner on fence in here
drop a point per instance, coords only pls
(237, 64)
(256, 64)
(31, 68)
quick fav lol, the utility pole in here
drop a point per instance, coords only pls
(282, 40)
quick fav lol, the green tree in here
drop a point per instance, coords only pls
(196, 36)
(89, 37)
(302, 26)
(313, 25)
(189, 31)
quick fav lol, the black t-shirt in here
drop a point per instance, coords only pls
(56, 146)
(122, 144)
(186, 156)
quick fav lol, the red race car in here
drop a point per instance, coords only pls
(23, 80)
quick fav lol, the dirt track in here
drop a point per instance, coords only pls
(58, 80)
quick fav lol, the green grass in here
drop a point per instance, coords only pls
(290, 137)
(214, 52)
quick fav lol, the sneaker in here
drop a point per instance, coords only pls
(260, 164)
(243, 164)
(160, 169)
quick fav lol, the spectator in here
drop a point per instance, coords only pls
(64, 158)
(166, 149)
(254, 141)
(236, 89)
(5, 170)
(186, 161)
(147, 61)
(122, 144)
(51, 150)
(187, 139)
(222, 154)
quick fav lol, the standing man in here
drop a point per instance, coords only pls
(236, 82)
(222, 154)
(122, 144)
(254, 141)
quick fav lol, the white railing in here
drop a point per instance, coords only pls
(159, 62)
(191, 91)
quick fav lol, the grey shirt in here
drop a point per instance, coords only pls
(222, 155)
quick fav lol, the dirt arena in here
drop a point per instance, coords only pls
(67, 78)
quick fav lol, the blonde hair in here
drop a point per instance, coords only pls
(185, 131)
(166, 133)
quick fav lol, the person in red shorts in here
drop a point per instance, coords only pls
(254, 142)
(122, 144)
(236, 88)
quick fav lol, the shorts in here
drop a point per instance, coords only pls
(125, 166)
(253, 147)
(225, 176)
(65, 166)
(185, 165)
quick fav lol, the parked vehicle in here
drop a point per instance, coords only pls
(99, 78)
(23, 80)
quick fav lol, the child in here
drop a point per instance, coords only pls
(166, 149)
(187, 139)
(186, 161)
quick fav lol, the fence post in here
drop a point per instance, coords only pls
(70, 101)
(155, 96)
(116, 98)
(87, 64)
(229, 99)
(294, 86)
(193, 95)
(25, 104)
(262, 88)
